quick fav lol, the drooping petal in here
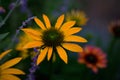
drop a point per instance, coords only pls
(9, 77)
(10, 63)
(42, 55)
(101, 65)
(72, 47)
(72, 31)
(95, 69)
(81, 60)
(40, 23)
(67, 25)
(32, 33)
(33, 44)
(47, 21)
(59, 22)
(4, 53)
(62, 53)
(12, 71)
(73, 38)
(49, 53)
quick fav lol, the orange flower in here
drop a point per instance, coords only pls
(54, 38)
(93, 57)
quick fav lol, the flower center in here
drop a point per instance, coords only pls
(91, 59)
(52, 37)
(116, 30)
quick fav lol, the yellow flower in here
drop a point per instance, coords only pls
(78, 16)
(8, 73)
(22, 40)
(54, 38)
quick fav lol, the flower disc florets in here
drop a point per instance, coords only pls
(52, 37)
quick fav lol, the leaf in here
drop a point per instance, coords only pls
(2, 36)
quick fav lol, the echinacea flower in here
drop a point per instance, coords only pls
(78, 16)
(24, 53)
(115, 28)
(8, 73)
(54, 38)
(93, 57)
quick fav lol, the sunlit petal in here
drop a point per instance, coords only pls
(33, 44)
(62, 53)
(73, 38)
(49, 53)
(12, 71)
(59, 22)
(10, 63)
(40, 23)
(4, 53)
(32, 33)
(9, 77)
(47, 21)
(42, 55)
(72, 47)
(72, 31)
(67, 25)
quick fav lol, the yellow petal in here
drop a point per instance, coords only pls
(72, 47)
(12, 71)
(62, 53)
(32, 33)
(72, 31)
(47, 21)
(59, 22)
(67, 25)
(42, 55)
(33, 44)
(49, 53)
(9, 77)
(10, 63)
(40, 23)
(4, 53)
(73, 38)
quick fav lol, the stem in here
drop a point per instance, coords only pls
(111, 46)
(9, 13)
(111, 63)
(17, 31)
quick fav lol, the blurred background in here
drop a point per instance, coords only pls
(102, 15)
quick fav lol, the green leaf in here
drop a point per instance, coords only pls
(2, 36)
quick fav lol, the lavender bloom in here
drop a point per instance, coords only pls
(34, 67)
(14, 39)
(11, 6)
(2, 10)
(24, 7)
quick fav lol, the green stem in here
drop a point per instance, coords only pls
(9, 13)
(50, 69)
(111, 46)
(111, 58)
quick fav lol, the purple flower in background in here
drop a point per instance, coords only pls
(11, 5)
(2, 10)
(24, 7)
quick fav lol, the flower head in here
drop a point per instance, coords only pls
(115, 28)
(78, 16)
(23, 52)
(54, 38)
(93, 57)
(2, 10)
(8, 73)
